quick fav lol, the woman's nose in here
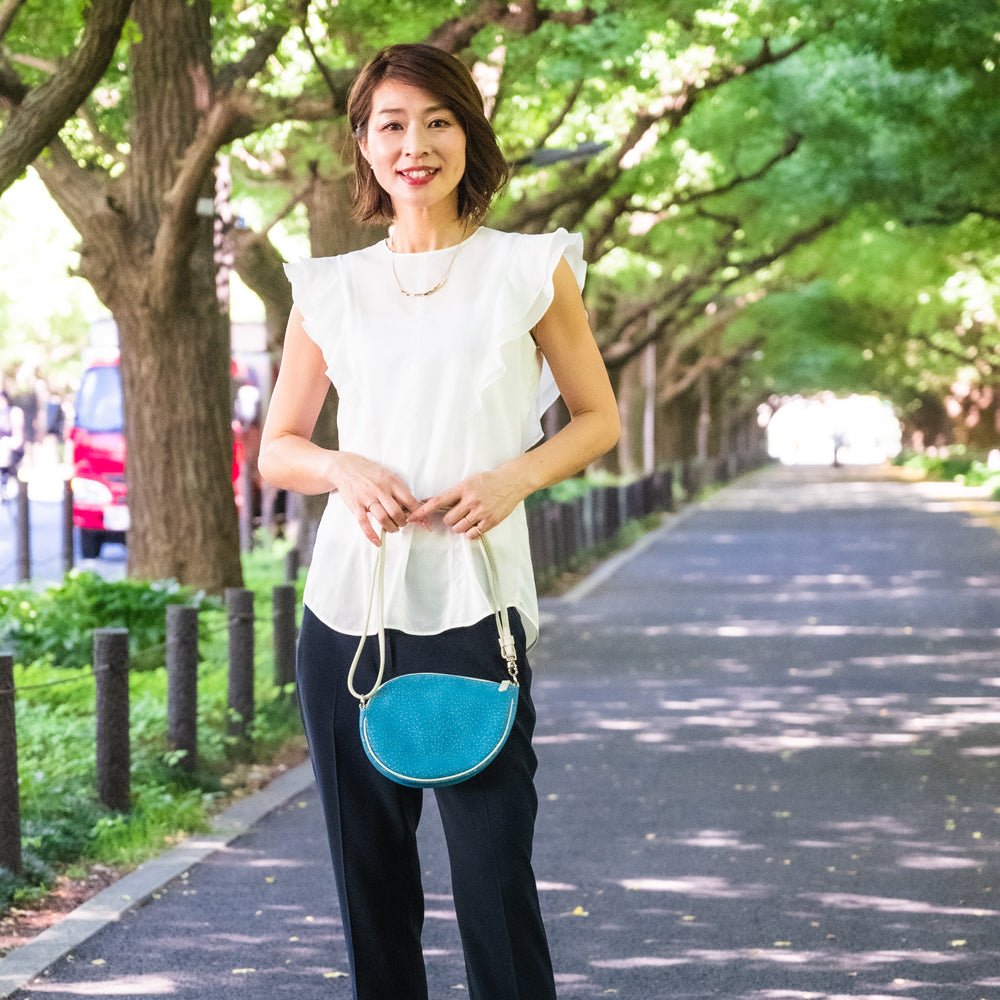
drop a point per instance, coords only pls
(415, 142)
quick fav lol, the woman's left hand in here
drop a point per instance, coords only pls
(473, 506)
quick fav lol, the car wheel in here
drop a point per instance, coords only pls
(90, 543)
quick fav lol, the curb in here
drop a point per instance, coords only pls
(24, 964)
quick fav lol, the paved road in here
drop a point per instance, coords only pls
(769, 771)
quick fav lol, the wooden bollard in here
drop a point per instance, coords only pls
(10, 806)
(283, 621)
(182, 683)
(111, 667)
(239, 607)
(292, 565)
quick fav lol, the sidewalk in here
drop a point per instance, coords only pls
(769, 770)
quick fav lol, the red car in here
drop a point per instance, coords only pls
(100, 496)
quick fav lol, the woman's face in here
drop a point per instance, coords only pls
(415, 145)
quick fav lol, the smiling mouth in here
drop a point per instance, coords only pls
(421, 174)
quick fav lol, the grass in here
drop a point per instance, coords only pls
(955, 464)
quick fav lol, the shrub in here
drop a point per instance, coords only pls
(955, 464)
(56, 624)
(63, 830)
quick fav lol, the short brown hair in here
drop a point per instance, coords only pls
(441, 74)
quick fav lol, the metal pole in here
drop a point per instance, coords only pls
(23, 533)
(67, 544)
(246, 507)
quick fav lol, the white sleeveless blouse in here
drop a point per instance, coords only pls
(435, 389)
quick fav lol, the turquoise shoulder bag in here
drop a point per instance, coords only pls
(431, 729)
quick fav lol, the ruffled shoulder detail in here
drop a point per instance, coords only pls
(308, 277)
(324, 294)
(529, 265)
(318, 289)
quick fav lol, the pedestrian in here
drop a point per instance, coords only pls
(11, 444)
(445, 342)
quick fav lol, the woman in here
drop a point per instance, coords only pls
(435, 340)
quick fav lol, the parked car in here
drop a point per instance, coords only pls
(100, 496)
(100, 489)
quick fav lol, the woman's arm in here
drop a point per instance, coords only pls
(565, 338)
(290, 460)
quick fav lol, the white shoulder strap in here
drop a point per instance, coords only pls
(377, 596)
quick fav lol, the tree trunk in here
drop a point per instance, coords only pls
(329, 205)
(704, 416)
(258, 262)
(148, 250)
(179, 465)
(628, 392)
(175, 352)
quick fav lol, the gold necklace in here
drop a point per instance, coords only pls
(438, 286)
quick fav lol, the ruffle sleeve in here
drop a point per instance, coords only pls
(307, 278)
(322, 296)
(529, 289)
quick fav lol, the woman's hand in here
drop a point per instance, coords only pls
(372, 494)
(473, 506)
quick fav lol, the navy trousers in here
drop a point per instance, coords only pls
(372, 822)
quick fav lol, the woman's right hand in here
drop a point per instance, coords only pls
(372, 494)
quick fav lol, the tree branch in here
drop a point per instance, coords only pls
(561, 115)
(338, 83)
(170, 249)
(86, 198)
(40, 114)
(677, 307)
(13, 89)
(265, 44)
(33, 62)
(522, 18)
(8, 11)
(791, 144)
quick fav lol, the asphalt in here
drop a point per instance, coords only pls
(769, 752)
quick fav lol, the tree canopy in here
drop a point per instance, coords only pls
(774, 197)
